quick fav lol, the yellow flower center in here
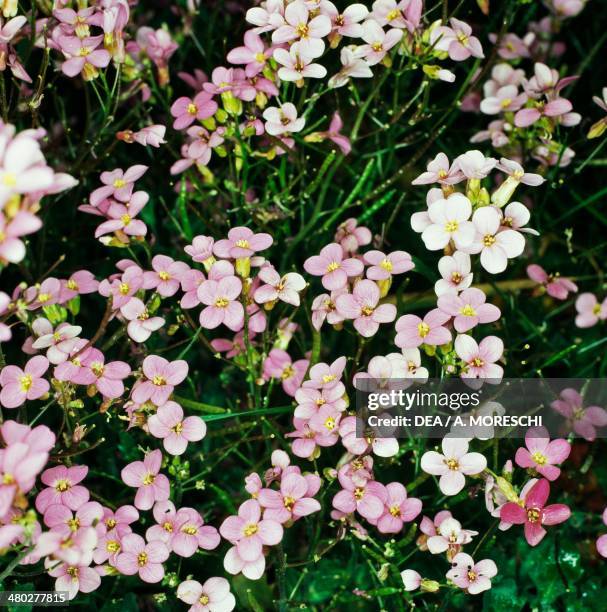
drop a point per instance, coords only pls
(451, 226)
(456, 278)
(25, 382)
(489, 240)
(192, 109)
(124, 288)
(221, 302)
(204, 599)
(8, 479)
(112, 546)
(423, 329)
(302, 30)
(288, 502)
(452, 464)
(287, 373)
(471, 576)
(110, 523)
(189, 529)
(243, 244)
(468, 311)
(367, 311)
(44, 297)
(62, 486)
(533, 515)
(83, 51)
(159, 380)
(359, 493)
(395, 510)
(72, 284)
(97, 368)
(386, 264)
(126, 219)
(148, 479)
(477, 362)
(596, 309)
(168, 526)
(333, 266)
(377, 47)
(178, 428)
(118, 183)
(506, 102)
(72, 571)
(9, 180)
(260, 58)
(165, 276)
(330, 423)
(74, 524)
(539, 458)
(142, 559)
(250, 529)
(462, 38)
(393, 14)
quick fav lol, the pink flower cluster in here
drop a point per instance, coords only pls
(260, 520)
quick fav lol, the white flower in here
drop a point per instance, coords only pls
(449, 221)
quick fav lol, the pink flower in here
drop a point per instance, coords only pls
(141, 325)
(382, 266)
(505, 99)
(368, 499)
(584, 420)
(325, 376)
(398, 510)
(12, 249)
(161, 377)
(439, 171)
(535, 513)
(332, 266)
(310, 400)
(479, 359)
(449, 221)
(79, 283)
(241, 243)
(468, 309)
(555, 108)
(284, 288)
(283, 120)
(62, 519)
(249, 533)
(117, 523)
(404, 14)
(473, 577)
(291, 502)
(362, 305)
(474, 164)
(166, 275)
(411, 331)
(455, 272)
(352, 236)
(334, 135)
(107, 377)
(601, 543)
(191, 534)
(233, 563)
(201, 250)
(556, 286)
(122, 218)
(47, 294)
(324, 308)
(19, 386)
(299, 26)
(278, 364)
(382, 447)
(456, 40)
(590, 311)
(541, 454)
(453, 465)
(63, 487)
(212, 596)
(496, 246)
(168, 423)
(84, 56)
(144, 475)
(220, 298)
(186, 111)
(254, 54)
(152, 135)
(118, 184)
(75, 578)
(137, 557)
(378, 41)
